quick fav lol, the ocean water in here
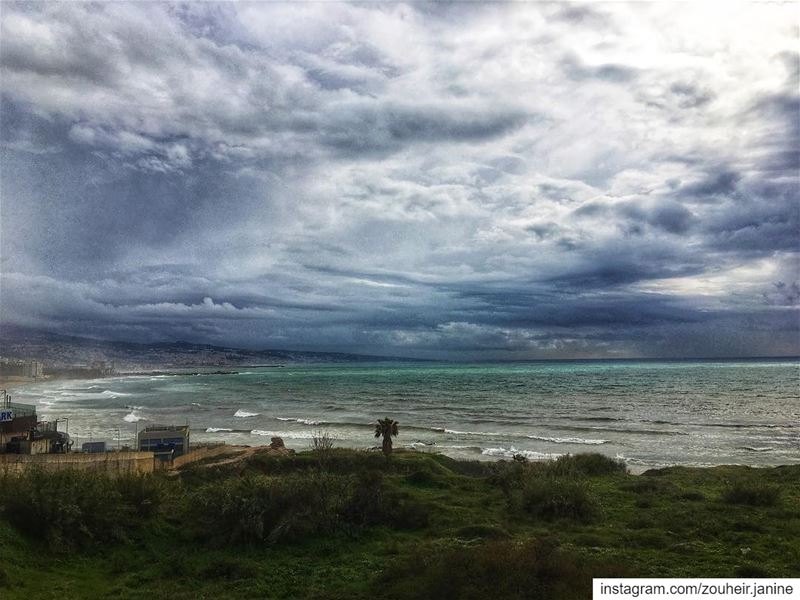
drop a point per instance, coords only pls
(648, 413)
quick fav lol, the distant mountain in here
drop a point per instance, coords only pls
(63, 350)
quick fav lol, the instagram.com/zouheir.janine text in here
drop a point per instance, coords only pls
(696, 589)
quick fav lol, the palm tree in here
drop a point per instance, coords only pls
(387, 428)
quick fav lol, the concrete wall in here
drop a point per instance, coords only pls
(110, 463)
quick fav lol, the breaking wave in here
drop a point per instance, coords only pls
(243, 414)
(133, 417)
(457, 432)
(297, 435)
(306, 421)
(568, 440)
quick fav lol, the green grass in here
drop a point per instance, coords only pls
(413, 526)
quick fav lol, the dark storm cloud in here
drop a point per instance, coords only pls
(664, 214)
(721, 182)
(366, 127)
(437, 179)
(575, 69)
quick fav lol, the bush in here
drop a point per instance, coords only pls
(591, 465)
(504, 569)
(337, 460)
(144, 493)
(66, 508)
(228, 568)
(751, 570)
(257, 508)
(486, 532)
(322, 445)
(751, 493)
(508, 476)
(557, 497)
(375, 503)
(693, 496)
(640, 485)
(511, 475)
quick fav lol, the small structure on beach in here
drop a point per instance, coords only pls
(165, 441)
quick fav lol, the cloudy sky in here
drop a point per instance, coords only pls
(454, 180)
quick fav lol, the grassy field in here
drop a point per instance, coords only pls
(348, 524)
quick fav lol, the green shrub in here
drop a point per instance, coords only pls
(591, 465)
(67, 508)
(467, 468)
(692, 495)
(375, 503)
(751, 493)
(486, 532)
(512, 475)
(337, 460)
(750, 570)
(557, 497)
(257, 508)
(508, 475)
(642, 485)
(502, 569)
(143, 493)
(228, 568)
(425, 477)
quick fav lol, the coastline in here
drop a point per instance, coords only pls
(248, 406)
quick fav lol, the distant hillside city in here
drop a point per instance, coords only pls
(33, 354)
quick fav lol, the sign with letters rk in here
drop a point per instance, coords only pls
(6, 415)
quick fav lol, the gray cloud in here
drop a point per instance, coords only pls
(512, 180)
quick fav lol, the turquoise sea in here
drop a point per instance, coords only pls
(649, 413)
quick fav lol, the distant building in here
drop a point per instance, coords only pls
(103, 367)
(93, 447)
(16, 421)
(44, 438)
(166, 441)
(11, 367)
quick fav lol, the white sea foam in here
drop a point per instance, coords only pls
(630, 460)
(456, 432)
(112, 394)
(298, 420)
(243, 414)
(297, 435)
(568, 440)
(217, 429)
(511, 452)
(132, 417)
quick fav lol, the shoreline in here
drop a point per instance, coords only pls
(537, 438)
